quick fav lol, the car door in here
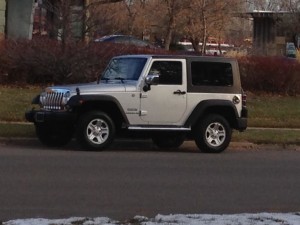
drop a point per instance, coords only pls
(165, 103)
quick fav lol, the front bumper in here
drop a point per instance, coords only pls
(41, 116)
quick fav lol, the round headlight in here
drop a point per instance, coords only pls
(43, 97)
(67, 94)
(66, 97)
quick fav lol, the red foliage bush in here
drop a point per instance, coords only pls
(278, 75)
(45, 61)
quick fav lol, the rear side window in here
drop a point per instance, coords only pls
(211, 74)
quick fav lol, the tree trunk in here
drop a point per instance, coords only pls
(195, 44)
(204, 24)
(169, 34)
(171, 24)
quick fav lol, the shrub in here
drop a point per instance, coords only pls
(45, 61)
(270, 74)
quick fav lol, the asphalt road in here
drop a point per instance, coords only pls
(134, 178)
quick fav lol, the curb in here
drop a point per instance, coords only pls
(273, 128)
(248, 128)
(189, 145)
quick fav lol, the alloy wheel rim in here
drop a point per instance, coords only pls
(97, 131)
(215, 134)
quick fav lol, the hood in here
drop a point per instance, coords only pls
(94, 88)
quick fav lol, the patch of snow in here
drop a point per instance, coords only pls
(189, 219)
(70, 221)
(235, 219)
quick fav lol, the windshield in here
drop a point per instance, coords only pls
(124, 69)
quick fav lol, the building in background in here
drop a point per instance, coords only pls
(16, 19)
(272, 31)
(19, 19)
(23, 19)
(59, 20)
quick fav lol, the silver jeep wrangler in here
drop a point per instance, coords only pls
(167, 98)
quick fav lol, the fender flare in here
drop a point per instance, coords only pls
(200, 109)
(79, 100)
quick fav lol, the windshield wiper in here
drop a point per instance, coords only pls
(120, 78)
(105, 78)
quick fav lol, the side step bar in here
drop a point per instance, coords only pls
(159, 128)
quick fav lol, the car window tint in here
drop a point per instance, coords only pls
(124, 69)
(139, 42)
(170, 72)
(211, 74)
(122, 40)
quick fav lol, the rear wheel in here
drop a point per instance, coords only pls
(213, 134)
(95, 131)
(168, 140)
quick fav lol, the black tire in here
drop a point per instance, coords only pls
(168, 140)
(212, 134)
(95, 131)
(53, 136)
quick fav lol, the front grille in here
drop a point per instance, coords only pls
(54, 99)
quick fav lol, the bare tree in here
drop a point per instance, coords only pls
(174, 10)
(196, 19)
(273, 5)
(126, 17)
(69, 20)
(207, 17)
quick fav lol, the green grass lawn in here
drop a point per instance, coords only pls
(15, 101)
(264, 111)
(274, 111)
(277, 136)
(8, 130)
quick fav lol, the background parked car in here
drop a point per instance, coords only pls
(125, 39)
(291, 50)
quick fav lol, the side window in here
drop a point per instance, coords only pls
(211, 74)
(122, 40)
(170, 72)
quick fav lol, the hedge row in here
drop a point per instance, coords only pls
(44, 61)
(275, 75)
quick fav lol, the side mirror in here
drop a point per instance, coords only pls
(151, 79)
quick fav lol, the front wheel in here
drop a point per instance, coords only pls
(212, 134)
(95, 131)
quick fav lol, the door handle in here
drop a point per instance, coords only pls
(179, 92)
